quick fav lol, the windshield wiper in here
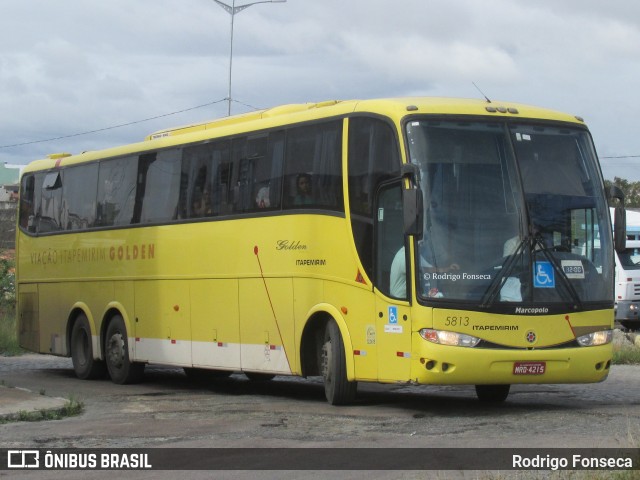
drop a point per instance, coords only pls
(537, 242)
(496, 285)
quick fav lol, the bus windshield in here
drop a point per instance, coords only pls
(513, 214)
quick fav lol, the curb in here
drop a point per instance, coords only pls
(18, 404)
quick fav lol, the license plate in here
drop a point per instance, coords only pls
(529, 368)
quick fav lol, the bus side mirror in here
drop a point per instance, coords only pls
(413, 208)
(619, 218)
(619, 229)
(412, 202)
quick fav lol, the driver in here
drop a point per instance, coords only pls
(398, 275)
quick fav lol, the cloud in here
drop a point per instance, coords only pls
(421, 60)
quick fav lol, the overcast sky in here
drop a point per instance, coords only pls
(72, 66)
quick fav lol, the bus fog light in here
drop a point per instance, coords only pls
(444, 337)
(596, 338)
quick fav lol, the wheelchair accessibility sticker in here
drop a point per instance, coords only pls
(393, 315)
(392, 326)
(544, 275)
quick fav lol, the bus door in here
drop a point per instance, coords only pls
(393, 322)
(393, 340)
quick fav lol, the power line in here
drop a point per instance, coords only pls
(622, 156)
(114, 126)
(245, 104)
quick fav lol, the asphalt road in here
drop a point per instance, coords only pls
(168, 410)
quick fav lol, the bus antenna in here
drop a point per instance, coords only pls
(481, 92)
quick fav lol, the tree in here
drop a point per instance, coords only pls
(631, 191)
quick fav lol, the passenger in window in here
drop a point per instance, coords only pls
(202, 205)
(303, 190)
(26, 215)
(262, 197)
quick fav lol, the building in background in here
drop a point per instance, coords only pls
(10, 174)
(9, 178)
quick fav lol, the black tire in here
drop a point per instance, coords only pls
(259, 376)
(203, 375)
(116, 351)
(492, 393)
(337, 389)
(85, 366)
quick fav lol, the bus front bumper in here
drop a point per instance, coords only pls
(627, 314)
(449, 365)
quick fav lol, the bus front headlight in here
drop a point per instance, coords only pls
(595, 338)
(444, 337)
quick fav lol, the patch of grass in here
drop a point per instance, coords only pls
(72, 408)
(8, 333)
(626, 355)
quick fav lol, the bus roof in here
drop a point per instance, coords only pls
(391, 106)
(395, 108)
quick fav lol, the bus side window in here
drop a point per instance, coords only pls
(391, 255)
(314, 153)
(27, 203)
(50, 213)
(158, 187)
(116, 191)
(251, 184)
(222, 185)
(204, 181)
(201, 203)
(267, 173)
(257, 167)
(195, 175)
(373, 159)
(242, 190)
(80, 200)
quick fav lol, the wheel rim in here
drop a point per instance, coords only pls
(115, 350)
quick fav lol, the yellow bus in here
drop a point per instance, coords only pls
(410, 240)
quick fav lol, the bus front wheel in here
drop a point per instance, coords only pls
(85, 366)
(121, 369)
(337, 389)
(492, 393)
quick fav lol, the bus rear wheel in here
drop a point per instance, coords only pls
(337, 389)
(121, 370)
(492, 393)
(85, 366)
